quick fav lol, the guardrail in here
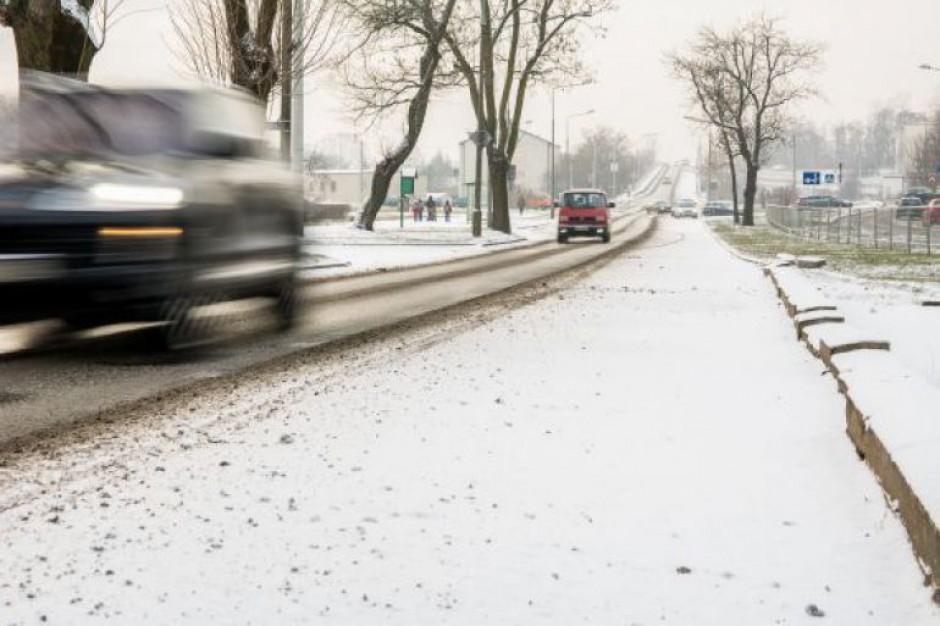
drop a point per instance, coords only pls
(890, 227)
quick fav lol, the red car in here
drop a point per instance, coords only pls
(931, 214)
(584, 213)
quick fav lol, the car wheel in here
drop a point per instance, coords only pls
(605, 237)
(286, 304)
(562, 238)
(182, 329)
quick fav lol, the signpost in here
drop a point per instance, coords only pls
(407, 177)
(812, 177)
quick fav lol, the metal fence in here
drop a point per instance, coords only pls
(888, 227)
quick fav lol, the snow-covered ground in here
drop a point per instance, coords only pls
(891, 311)
(649, 446)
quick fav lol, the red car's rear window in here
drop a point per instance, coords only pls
(585, 200)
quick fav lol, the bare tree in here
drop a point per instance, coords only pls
(720, 102)
(237, 41)
(521, 42)
(925, 156)
(399, 54)
(590, 162)
(58, 36)
(756, 72)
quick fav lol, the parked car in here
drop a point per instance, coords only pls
(660, 206)
(715, 208)
(909, 208)
(822, 202)
(931, 214)
(924, 194)
(461, 202)
(584, 213)
(133, 205)
(685, 207)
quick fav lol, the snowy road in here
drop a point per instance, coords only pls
(649, 446)
(66, 383)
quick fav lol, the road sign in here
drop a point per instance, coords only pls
(812, 177)
(830, 178)
(408, 176)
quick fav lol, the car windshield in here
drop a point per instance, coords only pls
(585, 199)
(96, 124)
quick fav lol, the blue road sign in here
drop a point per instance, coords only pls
(811, 178)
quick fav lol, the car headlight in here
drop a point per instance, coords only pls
(108, 197)
(137, 196)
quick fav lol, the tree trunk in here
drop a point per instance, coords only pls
(499, 186)
(750, 193)
(49, 40)
(734, 189)
(381, 181)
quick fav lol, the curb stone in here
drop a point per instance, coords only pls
(894, 472)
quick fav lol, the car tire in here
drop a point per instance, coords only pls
(181, 330)
(605, 237)
(562, 238)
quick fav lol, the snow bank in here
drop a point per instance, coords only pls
(891, 412)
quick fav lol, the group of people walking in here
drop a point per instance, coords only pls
(418, 209)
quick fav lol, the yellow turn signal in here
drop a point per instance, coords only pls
(154, 231)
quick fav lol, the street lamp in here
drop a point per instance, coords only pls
(568, 142)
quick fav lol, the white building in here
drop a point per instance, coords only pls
(533, 160)
(350, 187)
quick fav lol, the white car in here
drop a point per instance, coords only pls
(686, 207)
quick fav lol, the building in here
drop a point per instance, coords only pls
(350, 187)
(533, 161)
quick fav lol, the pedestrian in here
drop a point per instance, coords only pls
(447, 210)
(416, 209)
(431, 206)
(521, 204)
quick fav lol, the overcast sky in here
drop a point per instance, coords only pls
(872, 53)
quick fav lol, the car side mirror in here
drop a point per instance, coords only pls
(611, 205)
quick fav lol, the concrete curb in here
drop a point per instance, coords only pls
(827, 339)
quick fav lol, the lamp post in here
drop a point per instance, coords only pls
(568, 142)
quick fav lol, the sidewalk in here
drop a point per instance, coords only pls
(648, 446)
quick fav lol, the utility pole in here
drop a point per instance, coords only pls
(296, 55)
(552, 148)
(477, 226)
(287, 29)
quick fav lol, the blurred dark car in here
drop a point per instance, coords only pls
(660, 206)
(924, 194)
(715, 208)
(910, 208)
(461, 202)
(822, 202)
(132, 205)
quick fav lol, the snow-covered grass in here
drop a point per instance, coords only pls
(647, 446)
(765, 242)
